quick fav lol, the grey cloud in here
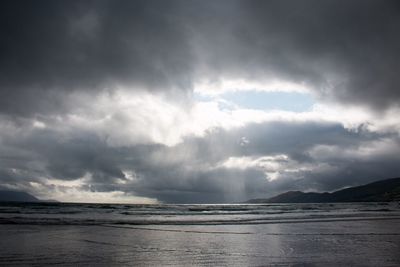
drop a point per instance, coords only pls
(47, 154)
(294, 140)
(344, 50)
(272, 138)
(50, 48)
(192, 171)
(346, 173)
(179, 185)
(72, 158)
(187, 172)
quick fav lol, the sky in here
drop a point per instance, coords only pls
(185, 101)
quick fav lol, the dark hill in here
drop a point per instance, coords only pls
(380, 191)
(14, 196)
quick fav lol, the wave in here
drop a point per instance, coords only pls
(99, 214)
(85, 221)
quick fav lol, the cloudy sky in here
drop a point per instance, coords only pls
(197, 101)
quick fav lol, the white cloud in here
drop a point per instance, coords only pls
(126, 118)
(273, 166)
(383, 147)
(222, 85)
(74, 194)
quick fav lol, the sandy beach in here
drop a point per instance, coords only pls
(341, 243)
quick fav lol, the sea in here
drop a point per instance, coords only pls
(201, 214)
(309, 234)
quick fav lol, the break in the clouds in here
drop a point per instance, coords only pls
(197, 101)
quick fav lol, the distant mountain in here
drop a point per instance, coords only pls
(15, 196)
(380, 191)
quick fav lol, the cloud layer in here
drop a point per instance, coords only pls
(347, 51)
(99, 97)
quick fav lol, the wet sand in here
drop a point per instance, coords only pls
(341, 243)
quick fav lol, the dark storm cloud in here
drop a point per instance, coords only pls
(190, 180)
(72, 157)
(296, 140)
(180, 184)
(347, 51)
(193, 170)
(271, 138)
(50, 48)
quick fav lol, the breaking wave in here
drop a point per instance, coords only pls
(168, 214)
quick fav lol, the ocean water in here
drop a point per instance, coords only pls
(169, 214)
(66, 234)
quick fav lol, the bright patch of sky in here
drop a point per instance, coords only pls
(265, 100)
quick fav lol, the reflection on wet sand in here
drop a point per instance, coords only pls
(357, 243)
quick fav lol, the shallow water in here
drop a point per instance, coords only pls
(348, 234)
